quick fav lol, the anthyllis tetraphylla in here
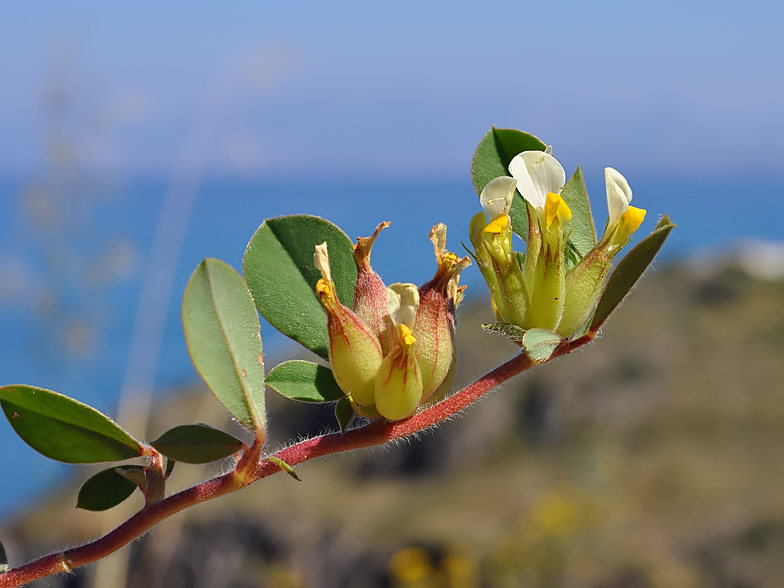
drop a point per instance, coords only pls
(396, 348)
(540, 289)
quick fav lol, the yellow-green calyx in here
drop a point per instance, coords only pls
(390, 359)
(354, 351)
(370, 293)
(539, 289)
(435, 321)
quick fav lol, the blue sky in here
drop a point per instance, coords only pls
(402, 89)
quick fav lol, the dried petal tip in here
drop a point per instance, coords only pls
(321, 261)
(365, 244)
(449, 264)
(438, 239)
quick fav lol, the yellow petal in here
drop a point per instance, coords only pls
(556, 211)
(498, 224)
(629, 222)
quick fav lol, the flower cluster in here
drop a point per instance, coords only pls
(542, 289)
(395, 349)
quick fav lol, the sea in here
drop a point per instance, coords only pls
(75, 253)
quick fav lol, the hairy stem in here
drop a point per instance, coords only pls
(376, 433)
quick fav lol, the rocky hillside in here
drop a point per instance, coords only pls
(652, 458)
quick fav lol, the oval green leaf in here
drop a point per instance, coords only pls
(629, 270)
(583, 231)
(64, 429)
(106, 489)
(304, 381)
(198, 443)
(224, 340)
(278, 267)
(540, 344)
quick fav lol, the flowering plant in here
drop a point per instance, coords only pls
(387, 361)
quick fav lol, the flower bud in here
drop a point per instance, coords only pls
(398, 385)
(435, 321)
(354, 351)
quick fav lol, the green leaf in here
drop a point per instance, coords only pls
(279, 269)
(64, 429)
(540, 344)
(106, 489)
(629, 270)
(496, 149)
(305, 381)
(491, 160)
(198, 443)
(285, 467)
(344, 413)
(508, 330)
(224, 340)
(583, 235)
(135, 475)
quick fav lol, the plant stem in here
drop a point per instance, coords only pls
(376, 433)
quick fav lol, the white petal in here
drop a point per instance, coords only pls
(496, 198)
(403, 303)
(537, 173)
(619, 194)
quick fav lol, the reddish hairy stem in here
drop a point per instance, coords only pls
(376, 433)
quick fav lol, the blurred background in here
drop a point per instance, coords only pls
(137, 140)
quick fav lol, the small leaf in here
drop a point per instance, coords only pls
(344, 413)
(285, 467)
(224, 340)
(540, 344)
(583, 235)
(135, 475)
(3, 559)
(305, 381)
(496, 149)
(106, 489)
(628, 271)
(196, 444)
(508, 330)
(278, 267)
(64, 429)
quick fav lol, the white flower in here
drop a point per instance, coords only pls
(496, 197)
(624, 219)
(619, 194)
(538, 174)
